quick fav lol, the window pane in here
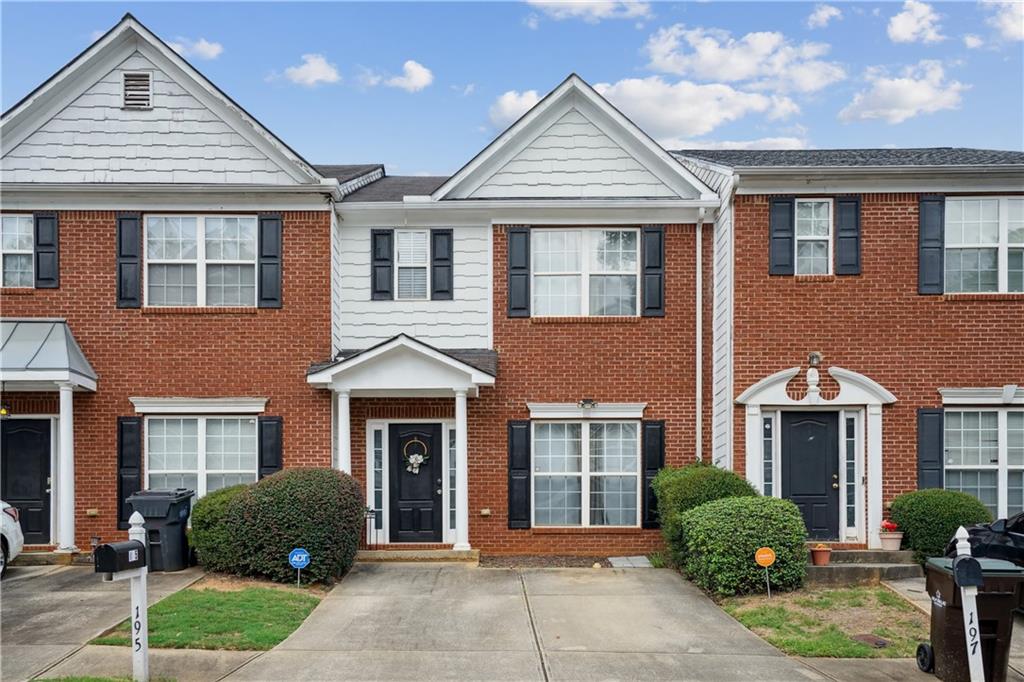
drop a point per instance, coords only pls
(1015, 220)
(767, 458)
(613, 448)
(972, 270)
(1015, 439)
(231, 238)
(851, 472)
(451, 478)
(557, 501)
(173, 444)
(557, 447)
(556, 250)
(812, 219)
(1014, 493)
(378, 479)
(971, 438)
(811, 257)
(412, 248)
(17, 270)
(556, 295)
(972, 221)
(613, 295)
(1015, 261)
(980, 484)
(613, 500)
(171, 481)
(613, 251)
(218, 481)
(172, 284)
(412, 283)
(231, 285)
(16, 233)
(171, 238)
(231, 444)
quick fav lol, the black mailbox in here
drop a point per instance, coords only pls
(115, 557)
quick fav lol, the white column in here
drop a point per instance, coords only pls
(66, 472)
(874, 450)
(754, 466)
(344, 433)
(461, 474)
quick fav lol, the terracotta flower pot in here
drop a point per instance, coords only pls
(820, 556)
(891, 541)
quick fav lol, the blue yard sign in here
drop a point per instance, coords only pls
(299, 559)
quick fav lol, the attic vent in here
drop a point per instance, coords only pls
(138, 92)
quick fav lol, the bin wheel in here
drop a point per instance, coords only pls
(925, 658)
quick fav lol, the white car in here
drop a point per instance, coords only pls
(11, 539)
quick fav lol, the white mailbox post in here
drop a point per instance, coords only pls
(127, 561)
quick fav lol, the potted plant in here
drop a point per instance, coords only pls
(890, 535)
(821, 554)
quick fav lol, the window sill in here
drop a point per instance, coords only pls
(1016, 297)
(155, 310)
(814, 279)
(17, 291)
(610, 319)
(592, 530)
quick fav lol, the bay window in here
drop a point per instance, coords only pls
(984, 245)
(16, 251)
(587, 272)
(586, 473)
(200, 453)
(984, 457)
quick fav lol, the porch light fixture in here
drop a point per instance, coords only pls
(5, 411)
(814, 359)
(587, 403)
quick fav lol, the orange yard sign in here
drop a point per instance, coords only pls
(765, 556)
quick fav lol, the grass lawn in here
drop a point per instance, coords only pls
(823, 622)
(223, 614)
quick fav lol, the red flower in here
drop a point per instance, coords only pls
(889, 526)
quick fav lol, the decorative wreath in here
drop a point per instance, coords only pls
(414, 460)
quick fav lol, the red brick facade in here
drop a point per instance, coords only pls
(182, 352)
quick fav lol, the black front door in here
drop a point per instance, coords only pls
(810, 469)
(25, 475)
(415, 489)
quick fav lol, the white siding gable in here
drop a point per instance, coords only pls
(179, 140)
(573, 158)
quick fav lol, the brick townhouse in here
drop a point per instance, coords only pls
(504, 357)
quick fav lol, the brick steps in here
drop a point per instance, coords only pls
(872, 556)
(863, 567)
(418, 555)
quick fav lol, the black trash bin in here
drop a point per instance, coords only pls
(166, 513)
(997, 600)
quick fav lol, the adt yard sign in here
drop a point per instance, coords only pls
(765, 556)
(299, 559)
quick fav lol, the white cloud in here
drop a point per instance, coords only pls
(1007, 18)
(200, 49)
(822, 15)
(591, 11)
(314, 70)
(414, 78)
(919, 89)
(918, 22)
(464, 90)
(765, 60)
(368, 78)
(973, 42)
(760, 143)
(684, 109)
(532, 21)
(510, 106)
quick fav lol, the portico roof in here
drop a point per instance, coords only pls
(37, 353)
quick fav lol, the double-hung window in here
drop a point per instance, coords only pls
(201, 453)
(984, 245)
(586, 473)
(16, 244)
(813, 236)
(984, 457)
(589, 271)
(412, 256)
(201, 260)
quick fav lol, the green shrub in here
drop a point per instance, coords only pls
(929, 518)
(680, 490)
(321, 510)
(212, 537)
(721, 538)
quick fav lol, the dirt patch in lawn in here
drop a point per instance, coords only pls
(225, 582)
(835, 623)
(543, 561)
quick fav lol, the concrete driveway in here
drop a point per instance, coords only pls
(48, 612)
(454, 622)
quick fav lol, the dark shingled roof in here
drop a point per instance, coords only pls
(825, 158)
(343, 173)
(394, 187)
(482, 359)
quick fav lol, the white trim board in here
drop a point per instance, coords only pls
(1010, 394)
(575, 411)
(193, 406)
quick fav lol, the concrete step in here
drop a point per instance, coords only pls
(842, 575)
(871, 556)
(43, 558)
(417, 555)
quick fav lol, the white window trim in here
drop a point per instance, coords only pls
(20, 252)
(622, 411)
(425, 266)
(1002, 247)
(797, 238)
(201, 470)
(1009, 394)
(1001, 467)
(585, 272)
(584, 472)
(199, 261)
(179, 406)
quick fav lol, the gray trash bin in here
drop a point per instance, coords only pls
(166, 513)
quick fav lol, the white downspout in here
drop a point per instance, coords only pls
(699, 435)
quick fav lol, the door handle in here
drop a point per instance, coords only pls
(835, 486)
(440, 492)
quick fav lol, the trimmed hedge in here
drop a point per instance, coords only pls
(929, 519)
(680, 490)
(321, 510)
(721, 538)
(211, 536)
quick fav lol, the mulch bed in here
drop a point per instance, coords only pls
(543, 561)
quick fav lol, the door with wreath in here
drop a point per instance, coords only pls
(416, 484)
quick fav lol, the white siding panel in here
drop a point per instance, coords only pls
(460, 323)
(572, 158)
(94, 139)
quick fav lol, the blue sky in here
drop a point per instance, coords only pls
(424, 86)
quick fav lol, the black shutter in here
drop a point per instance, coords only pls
(441, 272)
(270, 261)
(653, 445)
(129, 465)
(270, 430)
(931, 245)
(653, 268)
(519, 275)
(930, 447)
(382, 257)
(781, 249)
(46, 251)
(848, 236)
(519, 474)
(129, 260)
